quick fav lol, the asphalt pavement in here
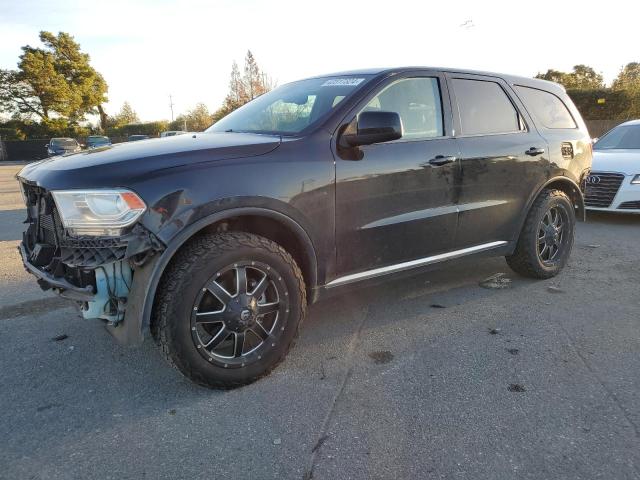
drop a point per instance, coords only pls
(432, 376)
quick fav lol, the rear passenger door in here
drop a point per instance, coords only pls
(503, 158)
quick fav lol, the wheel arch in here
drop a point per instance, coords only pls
(142, 296)
(564, 184)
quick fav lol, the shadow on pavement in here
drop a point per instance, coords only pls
(613, 218)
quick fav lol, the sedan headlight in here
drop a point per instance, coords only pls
(636, 180)
(98, 212)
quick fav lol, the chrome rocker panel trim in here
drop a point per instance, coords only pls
(420, 262)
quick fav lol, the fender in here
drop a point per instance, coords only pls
(577, 197)
(135, 327)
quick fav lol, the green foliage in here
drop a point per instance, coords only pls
(148, 128)
(127, 115)
(618, 104)
(582, 77)
(196, 120)
(594, 100)
(17, 129)
(54, 83)
(628, 78)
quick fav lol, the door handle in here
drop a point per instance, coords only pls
(439, 160)
(533, 151)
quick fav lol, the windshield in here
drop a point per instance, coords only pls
(63, 142)
(622, 137)
(95, 140)
(291, 108)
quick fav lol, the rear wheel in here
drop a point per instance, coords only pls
(229, 308)
(546, 239)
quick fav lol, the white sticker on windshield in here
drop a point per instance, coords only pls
(342, 82)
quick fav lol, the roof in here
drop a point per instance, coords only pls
(511, 79)
(631, 122)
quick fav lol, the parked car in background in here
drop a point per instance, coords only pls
(95, 141)
(61, 146)
(614, 182)
(172, 133)
(216, 247)
(135, 138)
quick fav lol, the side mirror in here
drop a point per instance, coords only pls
(46, 146)
(82, 145)
(375, 127)
(594, 139)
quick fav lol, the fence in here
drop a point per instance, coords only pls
(31, 150)
(25, 149)
(597, 128)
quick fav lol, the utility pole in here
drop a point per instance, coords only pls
(171, 106)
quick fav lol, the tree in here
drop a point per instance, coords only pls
(18, 98)
(195, 120)
(244, 88)
(127, 115)
(255, 82)
(582, 77)
(56, 81)
(628, 78)
(237, 91)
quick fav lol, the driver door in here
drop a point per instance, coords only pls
(395, 201)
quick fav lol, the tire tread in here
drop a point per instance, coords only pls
(524, 259)
(178, 273)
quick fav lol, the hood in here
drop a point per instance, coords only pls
(115, 165)
(623, 161)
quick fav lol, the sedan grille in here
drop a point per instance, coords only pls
(630, 205)
(602, 188)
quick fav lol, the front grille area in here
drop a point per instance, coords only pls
(601, 192)
(44, 222)
(630, 205)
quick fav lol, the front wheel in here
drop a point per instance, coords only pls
(229, 308)
(546, 239)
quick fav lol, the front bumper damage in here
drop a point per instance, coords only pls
(99, 273)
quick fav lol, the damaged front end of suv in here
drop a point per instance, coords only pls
(85, 245)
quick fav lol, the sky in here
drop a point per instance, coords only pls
(148, 50)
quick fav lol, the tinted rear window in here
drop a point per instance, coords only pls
(63, 142)
(548, 109)
(484, 108)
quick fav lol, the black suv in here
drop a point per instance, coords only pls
(215, 243)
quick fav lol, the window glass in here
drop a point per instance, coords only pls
(417, 101)
(291, 108)
(548, 109)
(63, 142)
(623, 137)
(484, 108)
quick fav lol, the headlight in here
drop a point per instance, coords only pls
(636, 180)
(98, 212)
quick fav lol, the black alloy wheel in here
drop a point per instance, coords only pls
(240, 312)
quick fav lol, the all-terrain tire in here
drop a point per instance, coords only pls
(193, 266)
(526, 259)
